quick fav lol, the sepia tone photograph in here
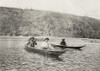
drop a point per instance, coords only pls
(49, 35)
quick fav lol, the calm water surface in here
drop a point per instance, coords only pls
(13, 57)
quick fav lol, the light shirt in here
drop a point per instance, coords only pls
(47, 45)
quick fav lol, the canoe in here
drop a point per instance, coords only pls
(73, 47)
(44, 51)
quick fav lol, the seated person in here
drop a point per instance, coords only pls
(32, 42)
(63, 43)
(47, 45)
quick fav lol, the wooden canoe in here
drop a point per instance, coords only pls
(44, 51)
(73, 47)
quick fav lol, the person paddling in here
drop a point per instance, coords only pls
(32, 42)
(63, 42)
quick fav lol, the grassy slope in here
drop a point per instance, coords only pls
(34, 22)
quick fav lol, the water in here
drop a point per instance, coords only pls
(13, 57)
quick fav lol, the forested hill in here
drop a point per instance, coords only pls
(14, 21)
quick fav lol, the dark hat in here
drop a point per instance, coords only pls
(32, 38)
(46, 39)
(63, 39)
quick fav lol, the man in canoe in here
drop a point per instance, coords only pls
(63, 42)
(46, 44)
(32, 42)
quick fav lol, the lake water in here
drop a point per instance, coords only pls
(13, 57)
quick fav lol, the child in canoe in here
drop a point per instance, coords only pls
(63, 42)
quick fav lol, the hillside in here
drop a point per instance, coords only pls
(14, 21)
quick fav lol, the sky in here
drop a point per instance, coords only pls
(89, 8)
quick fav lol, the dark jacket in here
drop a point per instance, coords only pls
(33, 42)
(63, 43)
